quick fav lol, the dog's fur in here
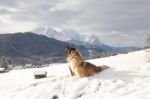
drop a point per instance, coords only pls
(78, 66)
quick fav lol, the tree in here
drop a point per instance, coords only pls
(147, 49)
(147, 42)
(4, 63)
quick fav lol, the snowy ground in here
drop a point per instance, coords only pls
(128, 78)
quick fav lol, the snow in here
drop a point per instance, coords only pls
(92, 40)
(63, 35)
(1, 69)
(128, 78)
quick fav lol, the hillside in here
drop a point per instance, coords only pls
(128, 78)
(29, 44)
(28, 47)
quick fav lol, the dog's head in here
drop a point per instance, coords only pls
(70, 50)
(73, 53)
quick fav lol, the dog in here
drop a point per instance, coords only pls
(78, 66)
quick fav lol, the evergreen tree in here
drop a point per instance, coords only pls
(4, 63)
(147, 42)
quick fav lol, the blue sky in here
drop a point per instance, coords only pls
(115, 22)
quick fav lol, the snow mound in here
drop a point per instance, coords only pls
(128, 78)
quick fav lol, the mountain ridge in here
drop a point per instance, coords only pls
(89, 41)
(27, 47)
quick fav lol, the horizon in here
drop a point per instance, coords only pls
(116, 23)
(81, 36)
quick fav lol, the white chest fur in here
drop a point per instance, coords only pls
(72, 65)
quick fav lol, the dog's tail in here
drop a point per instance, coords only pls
(102, 68)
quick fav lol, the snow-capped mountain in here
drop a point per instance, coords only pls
(63, 35)
(90, 41)
(47, 31)
(69, 35)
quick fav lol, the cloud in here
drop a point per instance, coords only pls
(105, 17)
(8, 3)
(124, 39)
(115, 15)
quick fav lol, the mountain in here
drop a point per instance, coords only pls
(29, 44)
(28, 47)
(68, 35)
(74, 38)
(89, 41)
(125, 49)
(64, 35)
(47, 31)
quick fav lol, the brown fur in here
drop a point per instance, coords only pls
(79, 67)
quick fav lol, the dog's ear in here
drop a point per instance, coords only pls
(67, 50)
(72, 48)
